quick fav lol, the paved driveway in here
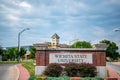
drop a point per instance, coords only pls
(8, 72)
(115, 66)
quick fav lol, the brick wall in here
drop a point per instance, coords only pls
(99, 56)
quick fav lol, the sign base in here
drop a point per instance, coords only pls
(39, 70)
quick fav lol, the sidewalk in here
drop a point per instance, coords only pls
(112, 73)
(24, 74)
(117, 63)
(12, 74)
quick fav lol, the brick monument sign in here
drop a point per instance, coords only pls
(95, 56)
(61, 53)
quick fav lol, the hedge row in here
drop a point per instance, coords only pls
(80, 70)
(71, 70)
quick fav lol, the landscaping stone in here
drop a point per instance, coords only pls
(107, 78)
(75, 78)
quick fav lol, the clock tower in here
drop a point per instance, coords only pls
(55, 40)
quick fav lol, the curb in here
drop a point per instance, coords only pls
(18, 72)
(113, 73)
(23, 74)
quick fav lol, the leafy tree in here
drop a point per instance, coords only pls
(22, 52)
(4, 57)
(11, 53)
(111, 50)
(81, 44)
(32, 52)
(1, 50)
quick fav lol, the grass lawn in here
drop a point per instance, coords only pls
(9, 62)
(29, 65)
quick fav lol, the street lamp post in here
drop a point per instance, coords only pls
(19, 41)
(117, 30)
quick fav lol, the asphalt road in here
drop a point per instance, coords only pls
(8, 72)
(116, 67)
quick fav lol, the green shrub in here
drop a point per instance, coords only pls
(4, 57)
(32, 78)
(40, 78)
(82, 70)
(87, 70)
(53, 70)
(71, 69)
(94, 78)
(58, 78)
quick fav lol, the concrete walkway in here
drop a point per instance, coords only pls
(14, 74)
(113, 73)
(117, 64)
(9, 72)
(24, 74)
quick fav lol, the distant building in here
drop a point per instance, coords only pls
(53, 44)
(55, 41)
(43, 45)
(27, 47)
(64, 46)
(27, 55)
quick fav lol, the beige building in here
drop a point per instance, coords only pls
(55, 41)
(53, 44)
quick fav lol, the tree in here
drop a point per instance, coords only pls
(1, 53)
(1, 50)
(81, 44)
(32, 52)
(111, 50)
(22, 52)
(11, 53)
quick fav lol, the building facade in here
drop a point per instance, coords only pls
(53, 44)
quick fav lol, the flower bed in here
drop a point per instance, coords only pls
(71, 71)
(69, 78)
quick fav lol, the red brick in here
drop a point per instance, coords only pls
(75, 78)
(42, 56)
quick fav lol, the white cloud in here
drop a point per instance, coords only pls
(11, 17)
(70, 7)
(67, 17)
(25, 5)
(20, 3)
(8, 10)
(12, 12)
(60, 8)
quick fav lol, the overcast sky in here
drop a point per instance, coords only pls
(88, 20)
